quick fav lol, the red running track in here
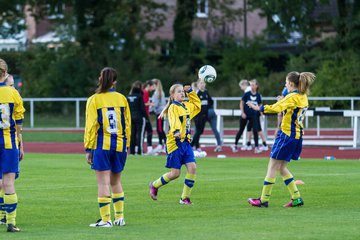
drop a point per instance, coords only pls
(308, 152)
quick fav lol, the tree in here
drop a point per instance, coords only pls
(286, 18)
(11, 18)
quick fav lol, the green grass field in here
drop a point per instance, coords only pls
(58, 199)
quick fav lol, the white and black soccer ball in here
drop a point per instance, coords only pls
(207, 73)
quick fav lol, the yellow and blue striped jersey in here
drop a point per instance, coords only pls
(108, 122)
(294, 106)
(11, 114)
(179, 116)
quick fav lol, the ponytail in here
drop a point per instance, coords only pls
(302, 81)
(107, 78)
(164, 112)
(305, 80)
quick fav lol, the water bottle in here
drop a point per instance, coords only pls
(329, 158)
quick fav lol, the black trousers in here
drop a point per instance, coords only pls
(137, 135)
(200, 121)
(252, 125)
(149, 133)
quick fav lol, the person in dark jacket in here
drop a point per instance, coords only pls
(202, 117)
(138, 118)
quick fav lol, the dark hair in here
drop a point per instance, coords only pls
(302, 81)
(149, 83)
(136, 88)
(108, 76)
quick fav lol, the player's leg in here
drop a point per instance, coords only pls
(163, 180)
(10, 201)
(118, 198)
(188, 183)
(2, 207)
(289, 181)
(212, 118)
(104, 199)
(242, 127)
(269, 182)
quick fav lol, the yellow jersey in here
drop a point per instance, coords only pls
(294, 106)
(179, 116)
(108, 122)
(11, 114)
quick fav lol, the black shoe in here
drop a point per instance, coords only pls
(3, 221)
(12, 228)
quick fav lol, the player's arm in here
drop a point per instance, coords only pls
(19, 111)
(277, 107)
(90, 128)
(194, 100)
(243, 115)
(127, 123)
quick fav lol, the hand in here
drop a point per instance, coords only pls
(89, 158)
(278, 98)
(177, 135)
(243, 115)
(21, 155)
(253, 106)
(186, 88)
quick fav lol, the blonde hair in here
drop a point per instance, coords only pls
(159, 87)
(302, 81)
(244, 82)
(3, 67)
(164, 112)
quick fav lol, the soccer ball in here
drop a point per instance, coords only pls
(207, 73)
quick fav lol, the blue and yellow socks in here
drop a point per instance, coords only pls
(188, 185)
(290, 183)
(267, 188)
(104, 207)
(10, 203)
(163, 180)
(118, 202)
(2, 206)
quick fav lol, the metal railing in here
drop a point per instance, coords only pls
(217, 100)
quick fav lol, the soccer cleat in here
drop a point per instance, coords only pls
(119, 222)
(185, 201)
(101, 224)
(256, 202)
(218, 149)
(153, 191)
(3, 221)
(295, 203)
(234, 148)
(12, 228)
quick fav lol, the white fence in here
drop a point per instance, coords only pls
(217, 100)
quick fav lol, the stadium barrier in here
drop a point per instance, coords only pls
(221, 113)
(355, 115)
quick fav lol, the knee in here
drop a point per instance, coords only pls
(192, 169)
(174, 174)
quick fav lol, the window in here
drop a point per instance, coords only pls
(56, 10)
(202, 8)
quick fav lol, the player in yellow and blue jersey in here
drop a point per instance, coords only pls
(11, 118)
(178, 148)
(106, 139)
(288, 143)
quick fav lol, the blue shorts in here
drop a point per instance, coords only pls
(286, 148)
(9, 160)
(184, 154)
(108, 160)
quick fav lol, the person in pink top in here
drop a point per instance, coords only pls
(147, 89)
